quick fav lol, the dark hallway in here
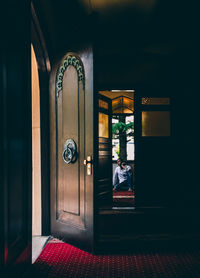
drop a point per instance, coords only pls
(83, 47)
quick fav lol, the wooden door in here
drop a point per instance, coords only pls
(154, 149)
(105, 152)
(72, 209)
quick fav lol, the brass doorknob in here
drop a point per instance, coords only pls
(88, 162)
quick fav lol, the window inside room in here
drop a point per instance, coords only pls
(155, 123)
(119, 112)
(103, 125)
(123, 128)
(155, 116)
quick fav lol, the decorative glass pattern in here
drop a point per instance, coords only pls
(117, 104)
(103, 104)
(122, 105)
(103, 125)
(128, 103)
(155, 123)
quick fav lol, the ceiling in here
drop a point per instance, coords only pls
(115, 94)
(137, 41)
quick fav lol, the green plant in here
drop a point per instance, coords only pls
(117, 151)
(123, 129)
(124, 132)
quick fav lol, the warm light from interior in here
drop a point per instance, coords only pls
(131, 91)
(36, 149)
(103, 125)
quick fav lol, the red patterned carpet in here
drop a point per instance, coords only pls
(63, 260)
(123, 198)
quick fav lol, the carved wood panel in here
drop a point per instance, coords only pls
(70, 121)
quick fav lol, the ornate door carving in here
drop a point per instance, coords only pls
(71, 142)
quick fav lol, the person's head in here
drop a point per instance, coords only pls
(119, 161)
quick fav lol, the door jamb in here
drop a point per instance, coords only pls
(109, 87)
(44, 67)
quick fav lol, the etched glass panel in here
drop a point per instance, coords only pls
(103, 104)
(155, 123)
(127, 111)
(128, 103)
(103, 125)
(118, 110)
(122, 105)
(117, 104)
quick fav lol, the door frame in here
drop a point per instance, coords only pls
(108, 112)
(44, 68)
(137, 127)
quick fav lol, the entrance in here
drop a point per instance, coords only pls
(116, 126)
(36, 150)
(83, 153)
(89, 132)
(40, 68)
(38, 238)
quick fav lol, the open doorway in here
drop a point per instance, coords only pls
(121, 134)
(40, 69)
(36, 149)
(38, 240)
(38, 235)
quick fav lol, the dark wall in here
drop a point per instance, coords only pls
(16, 165)
(154, 54)
(186, 107)
(159, 57)
(168, 168)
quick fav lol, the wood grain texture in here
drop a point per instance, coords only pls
(72, 117)
(104, 191)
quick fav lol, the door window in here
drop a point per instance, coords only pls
(103, 125)
(155, 123)
(156, 118)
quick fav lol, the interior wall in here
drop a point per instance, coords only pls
(36, 149)
(16, 157)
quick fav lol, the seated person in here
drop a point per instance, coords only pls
(122, 176)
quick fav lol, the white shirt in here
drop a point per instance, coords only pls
(121, 174)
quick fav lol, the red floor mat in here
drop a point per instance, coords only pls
(64, 260)
(123, 198)
(123, 193)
